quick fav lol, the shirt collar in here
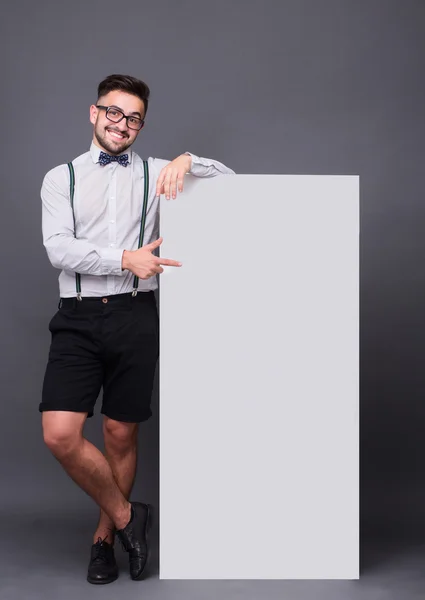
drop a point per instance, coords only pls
(95, 153)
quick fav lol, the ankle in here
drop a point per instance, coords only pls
(124, 517)
(106, 535)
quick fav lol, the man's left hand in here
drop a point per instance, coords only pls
(171, 177)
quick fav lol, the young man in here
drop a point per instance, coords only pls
(105, 332)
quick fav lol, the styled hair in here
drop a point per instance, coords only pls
(124, 83)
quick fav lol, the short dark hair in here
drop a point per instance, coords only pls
(124, 83)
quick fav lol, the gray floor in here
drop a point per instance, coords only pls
(44, 557)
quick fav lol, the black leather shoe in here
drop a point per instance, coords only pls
(134, 538)
(102, 567)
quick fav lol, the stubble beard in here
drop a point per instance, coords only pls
(108, 145)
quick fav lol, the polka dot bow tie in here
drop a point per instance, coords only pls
(105, 159)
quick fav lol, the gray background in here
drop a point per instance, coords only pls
(300, 86)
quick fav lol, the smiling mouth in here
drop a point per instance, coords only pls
(115, 135)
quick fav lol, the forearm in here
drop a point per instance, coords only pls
(70, 254)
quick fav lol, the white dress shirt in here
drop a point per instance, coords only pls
(107, 206)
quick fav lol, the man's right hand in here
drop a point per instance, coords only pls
(143, 263)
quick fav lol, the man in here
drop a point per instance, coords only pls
(95, 212)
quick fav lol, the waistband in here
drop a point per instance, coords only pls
(114, 300)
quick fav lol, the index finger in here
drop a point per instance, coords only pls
(169, 262)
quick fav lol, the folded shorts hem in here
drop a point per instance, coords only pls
(43, 407)
(126, 418)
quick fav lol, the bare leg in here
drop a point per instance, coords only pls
(121, 453)
(84, 463)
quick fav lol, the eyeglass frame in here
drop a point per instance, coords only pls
(126, 117)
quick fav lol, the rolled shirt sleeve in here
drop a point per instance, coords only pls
(207, 167)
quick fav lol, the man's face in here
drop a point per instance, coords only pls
(113, 137)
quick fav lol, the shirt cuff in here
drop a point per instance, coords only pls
(198, 164)
(207, 167)
(112, 261)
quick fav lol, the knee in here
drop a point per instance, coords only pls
(119, 437)
(60, 440)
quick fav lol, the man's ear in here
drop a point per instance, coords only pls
(93, 114)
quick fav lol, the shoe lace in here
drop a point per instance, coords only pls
(100, 549)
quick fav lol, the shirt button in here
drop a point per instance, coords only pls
(112, 221)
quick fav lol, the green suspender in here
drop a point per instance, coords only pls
(142, 221)
(71, 193)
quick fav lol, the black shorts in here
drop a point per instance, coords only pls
(110, 342)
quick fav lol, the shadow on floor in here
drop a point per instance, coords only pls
(59, 541)
(382, 549)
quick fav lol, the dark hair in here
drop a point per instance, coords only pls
(124, 83)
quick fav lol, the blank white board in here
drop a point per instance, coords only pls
(259, 379)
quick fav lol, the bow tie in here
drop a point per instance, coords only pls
(105, 159)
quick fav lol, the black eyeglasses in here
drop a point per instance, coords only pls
(116, 115)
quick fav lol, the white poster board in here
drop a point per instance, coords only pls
(259, 379)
